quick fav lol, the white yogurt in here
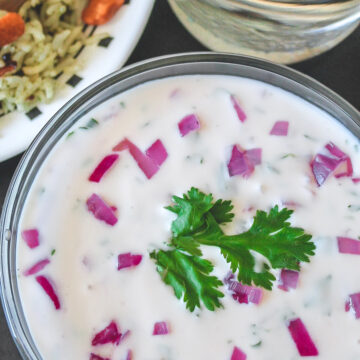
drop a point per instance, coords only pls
(84, 266)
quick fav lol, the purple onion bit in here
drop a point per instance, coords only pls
(160, 328)
(104, 166)
(37, 267)
(149, 162)
(238, 354)
(332, 160)
(49, 289)
(302, 339)
(243, 294)
(101, 210)
(31, 237)
(243, 162)
(97, 357)
(157, 153)
(280, 128)
(108, 335)
(188, 123)
(288, 279)
(348, 246)
(129, 355)
(353, 303)
(239, 111)
(128, 260)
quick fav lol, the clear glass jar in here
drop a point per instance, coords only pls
(284, 31)
(95, 95)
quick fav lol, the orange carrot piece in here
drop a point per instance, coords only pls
(6, 69)
(99, 12)
(12, 26)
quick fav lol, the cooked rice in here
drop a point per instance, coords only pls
(53, 36)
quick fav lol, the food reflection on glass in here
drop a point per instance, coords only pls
(283, 31)
(195, 210)
(42, 42)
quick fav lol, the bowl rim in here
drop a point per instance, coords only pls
(22, 172)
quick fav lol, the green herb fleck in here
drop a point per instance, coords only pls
(71, 133)
(258, 344)
(288, 155)
(122, 104)
(198, 223)
(273, 169)
(90, 124)
(354, 207)
(309, 137)
(53, 251)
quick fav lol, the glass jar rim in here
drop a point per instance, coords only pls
(298, 7)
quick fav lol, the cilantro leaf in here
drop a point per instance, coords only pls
(221, 211)
(189, 277)
(190, 210)
(243, 261)
(198, 224)
(273, 237)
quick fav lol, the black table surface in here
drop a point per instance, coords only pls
(339, 69)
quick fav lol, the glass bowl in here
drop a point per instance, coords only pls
(284, 31)
(108, 87)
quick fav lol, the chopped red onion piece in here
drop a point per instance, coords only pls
(243, 162)
(239, 111)
(288, 279)
(280, 128)
(129, 355)
(237, 354)
(344, 169)
(160, 328)
(48, 288)
(353, 303)
(334, 150)
(243, 294)
(188, 123)
(229, 278)
(123, 336)
(290, 204)
(147, 165)
(108, 335)
(355, 180)
(239, 164)
(157, 152)
(31, 237)
(37, 267)
(128, 260)
(348, 245)
(302, 339)
(123, 145)
(105, 164)
(347, 305)
(331, 161)
(175, 93)
(101, 210)
(254, 156)
(97, 357)
(150, 162)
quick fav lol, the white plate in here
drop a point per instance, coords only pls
(17, 130)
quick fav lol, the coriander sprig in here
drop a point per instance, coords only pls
(198, 223)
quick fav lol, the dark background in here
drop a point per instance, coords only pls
(339, 69)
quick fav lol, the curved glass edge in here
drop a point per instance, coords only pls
(122, 80)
